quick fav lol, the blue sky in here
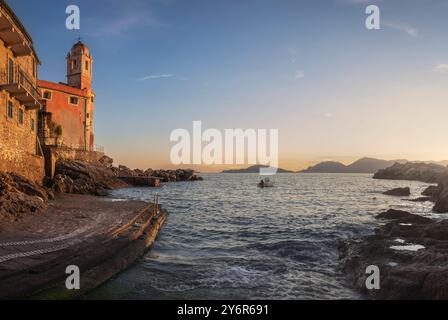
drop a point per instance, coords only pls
(309, 68)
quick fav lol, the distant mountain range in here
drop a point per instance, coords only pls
(364, 165)
(255, 169)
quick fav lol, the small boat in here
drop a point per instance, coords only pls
(266, 183)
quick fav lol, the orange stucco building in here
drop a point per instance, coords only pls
(70, 106)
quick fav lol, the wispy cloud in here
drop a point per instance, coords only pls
(441, 68)
(161, 76)
(403, 27)
(300, 74)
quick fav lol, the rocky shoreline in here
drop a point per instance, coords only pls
(424, 172)
(20, 197)
(411, 251)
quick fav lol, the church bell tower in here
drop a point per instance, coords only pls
(79, 67)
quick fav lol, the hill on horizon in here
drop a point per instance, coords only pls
(255, 169)
(364, 165)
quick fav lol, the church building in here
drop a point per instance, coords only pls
(68, 107)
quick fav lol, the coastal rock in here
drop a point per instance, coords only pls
(402, 216)
(62, 184)
(97, 178)
(411, 252)
(422, 199)
(106, 161)
(441, 205)
(400, 192)
(20, 197)
(84, 178)
(124, 171)
(176, 175)
(431, 191)
(424, 172)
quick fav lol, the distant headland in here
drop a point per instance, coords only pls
(363, 165)
(255, 169)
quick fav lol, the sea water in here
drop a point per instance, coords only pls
(225, 238)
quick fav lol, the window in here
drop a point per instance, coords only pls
(10, 110)
(11, 70)
(88, 115)
(33, 124)
(20, 116)
(47, 95)
(73, 64)
(87, 65)
(74, 100)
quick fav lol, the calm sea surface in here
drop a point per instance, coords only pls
(227, 239)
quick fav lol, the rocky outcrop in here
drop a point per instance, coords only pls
(84, 178)
(80, 177)
(424, 172)
(163, 175)
(20, 197)
(399, 192)
(177, 175)
(106, 161)
(441, 196)
(402, 217)
(431, 191)
(411, 253)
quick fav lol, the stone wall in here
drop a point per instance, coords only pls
(18, 142)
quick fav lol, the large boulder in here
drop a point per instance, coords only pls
(431, 191)
(124, 171)
(62, 184)
(399, 192)
(85, 178)
(106, 161)
(20, 197)
(441, 205)
(402, 216)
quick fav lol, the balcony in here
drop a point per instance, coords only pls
(13, 37)
(18, 84)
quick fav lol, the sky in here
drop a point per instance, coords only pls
(311, 69)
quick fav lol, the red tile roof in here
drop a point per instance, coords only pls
(62, 88)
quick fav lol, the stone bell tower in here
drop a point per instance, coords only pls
(79, 67)
(79, 76)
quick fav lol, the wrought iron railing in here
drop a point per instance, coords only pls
(17, 75)
(58, 142)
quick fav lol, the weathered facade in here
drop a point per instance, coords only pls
(69, 107)
(20, 150)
